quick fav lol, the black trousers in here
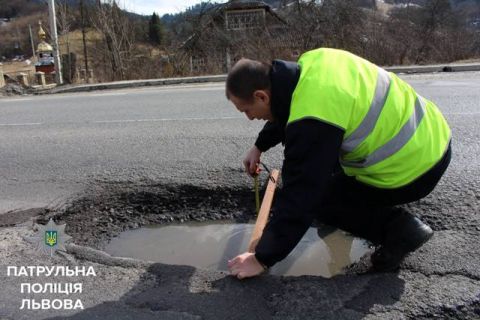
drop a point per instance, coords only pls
(366, 211)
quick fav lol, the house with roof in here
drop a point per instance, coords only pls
(233, 30)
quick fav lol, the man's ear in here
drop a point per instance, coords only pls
(263, 95)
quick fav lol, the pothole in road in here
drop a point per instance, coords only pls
(202, 227)
(324, 251)
(95, 218)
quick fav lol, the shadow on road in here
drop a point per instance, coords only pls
(183, 292)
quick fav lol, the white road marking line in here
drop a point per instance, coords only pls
(181, 86)
(196, 89)
(164, 90)
(122, 92)
(16, 99)
(137, 91)
(167, 119)
(107, 94)
(20, 124)
(121, 121)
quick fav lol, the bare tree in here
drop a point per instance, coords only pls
(343, 24)
(118, 35)
(84, 38)
(404, 31)
(436, 15)
(64, 24)
(304, 20)
(64, 21)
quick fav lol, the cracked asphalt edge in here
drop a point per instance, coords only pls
(417, 291)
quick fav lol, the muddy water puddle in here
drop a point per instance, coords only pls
(322, 252)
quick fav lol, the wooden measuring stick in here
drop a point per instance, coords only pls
(264, 211)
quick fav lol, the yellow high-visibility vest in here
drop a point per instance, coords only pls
(392, 134)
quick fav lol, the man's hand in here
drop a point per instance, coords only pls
(251, 161)
(245, 266)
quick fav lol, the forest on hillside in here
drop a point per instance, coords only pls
(124, 45)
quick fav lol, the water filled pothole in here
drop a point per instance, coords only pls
(324, 252)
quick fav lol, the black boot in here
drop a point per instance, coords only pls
(404, 234)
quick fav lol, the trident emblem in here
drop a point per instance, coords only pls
(51, 238)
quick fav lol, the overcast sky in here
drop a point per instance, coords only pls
(147, 7)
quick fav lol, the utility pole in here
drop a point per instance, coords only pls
(53, 33)
(31, 42)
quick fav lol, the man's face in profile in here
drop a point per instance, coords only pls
(258, 108)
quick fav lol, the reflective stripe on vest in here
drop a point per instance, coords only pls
(396, 143)
(368, 123)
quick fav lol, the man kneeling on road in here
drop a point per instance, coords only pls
(358, 141)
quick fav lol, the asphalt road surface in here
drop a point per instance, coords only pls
(54, 147)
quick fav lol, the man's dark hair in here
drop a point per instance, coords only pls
(246, 77)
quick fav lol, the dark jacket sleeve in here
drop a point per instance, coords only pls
(311, 154)
(272, 134)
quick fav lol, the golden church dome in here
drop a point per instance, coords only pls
(44, 47)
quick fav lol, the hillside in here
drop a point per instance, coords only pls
(398, 36)
(19, 8)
